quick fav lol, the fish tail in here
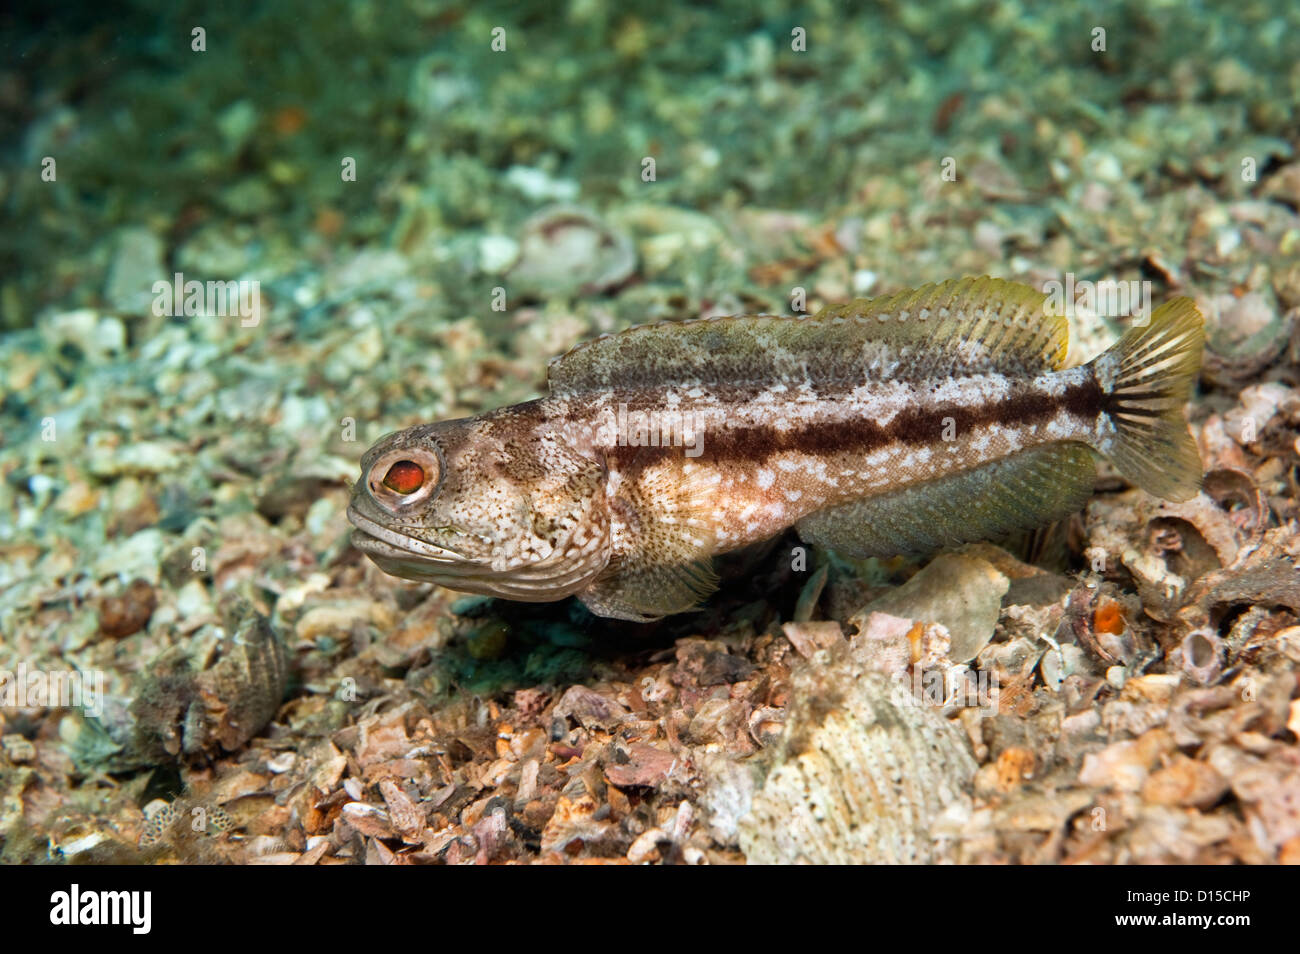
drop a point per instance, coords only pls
(1146, 378)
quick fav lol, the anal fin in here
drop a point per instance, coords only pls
(1020, 492)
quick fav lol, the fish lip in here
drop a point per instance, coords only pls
(370, 529)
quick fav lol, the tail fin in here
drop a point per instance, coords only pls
(1147, 377)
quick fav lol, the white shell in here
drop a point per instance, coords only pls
(864, 775)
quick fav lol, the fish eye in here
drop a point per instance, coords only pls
(403, 477)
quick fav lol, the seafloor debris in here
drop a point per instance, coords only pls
(1139, 706)
(567, 250)
(198, 707)
(1140, 663)
(865, 773)
(128, 613)
(960, 591)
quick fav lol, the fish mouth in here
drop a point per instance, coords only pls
(412, 559)
(378, 541)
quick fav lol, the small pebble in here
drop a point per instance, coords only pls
(128, 613)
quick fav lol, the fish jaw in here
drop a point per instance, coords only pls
(412, 559)
(377, 540)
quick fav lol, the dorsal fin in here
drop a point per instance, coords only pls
(967, 325)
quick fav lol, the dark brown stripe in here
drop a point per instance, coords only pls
(862, 436)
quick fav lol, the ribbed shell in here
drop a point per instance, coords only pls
(863, 778)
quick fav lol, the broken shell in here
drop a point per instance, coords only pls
(1185, 782)
(1161, 591)
(1166, 545)
(243, 690)
(765, 725)
(567, 250)
(962, 592)
(1218, 448)
(128, 613)
(808, 638)
(1245, 335)
(1257, 408)
(590, 709)
(1059, 662)
(1288, 640)
(1265, 576)
(17, 749)
(1125, 765)
(578, 817)
(810, 594)
(1097, 621)
(1242, 501)
(646, 846)
(159, 816)
(1015, 765)
(864, 773)
(220, 820)
(1203, 655)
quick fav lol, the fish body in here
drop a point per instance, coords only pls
(897, 425)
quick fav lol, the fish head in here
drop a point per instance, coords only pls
(487, 505)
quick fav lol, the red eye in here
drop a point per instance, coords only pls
(404, 477)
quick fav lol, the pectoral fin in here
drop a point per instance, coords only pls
(646, 593)
(664, 538)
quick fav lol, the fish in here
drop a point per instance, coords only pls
(902, 424)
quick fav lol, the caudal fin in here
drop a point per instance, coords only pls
(1147, 377)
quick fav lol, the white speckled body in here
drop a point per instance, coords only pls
(748, 497)
(900, 424)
